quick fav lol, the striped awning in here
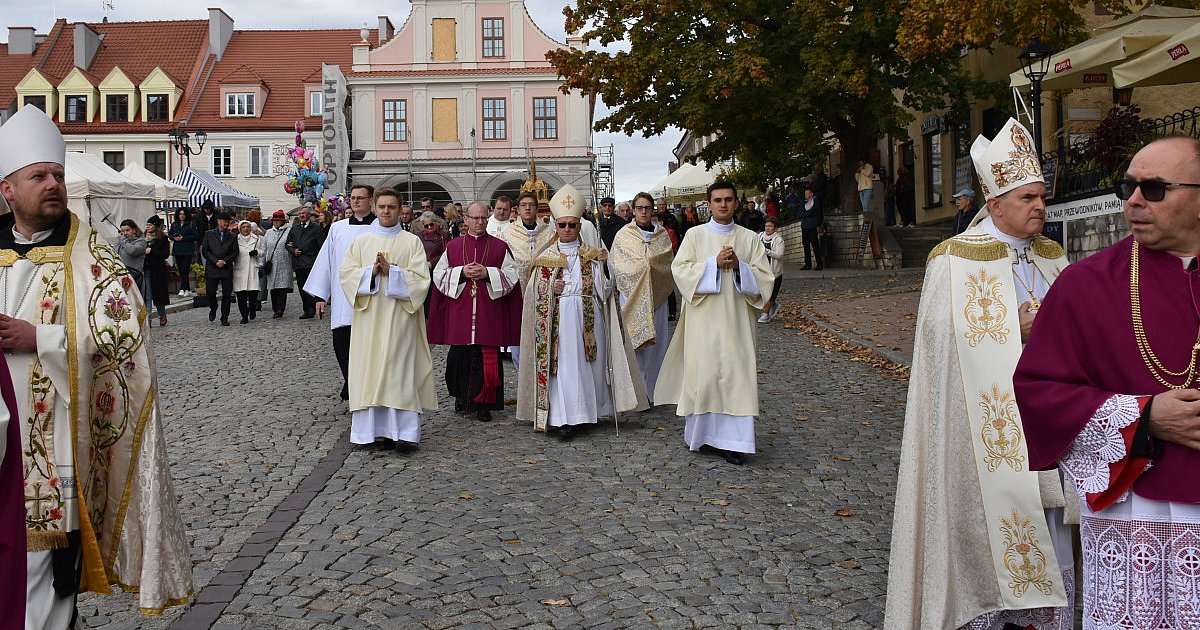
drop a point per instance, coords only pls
(202, 186)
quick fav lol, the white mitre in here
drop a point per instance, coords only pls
(29, 137)
(567, 202)
(1007, 162)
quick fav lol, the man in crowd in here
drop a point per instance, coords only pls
(964, 201)
(476, 309)
(304, 241)
(751, 219)
(641, 263)
(609, 222)
(667, 219)
(324, 281)
(406, 218)
(99, 503)
(501, 216)
(206, 219)
(811, 216)
(711, 371)
(1107, 388)
(565, 335)
(385, 277)
(525, 238)
(220, 251)
(819, 182)
(965, 495)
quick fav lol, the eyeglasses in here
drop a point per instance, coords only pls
(476, 218)
(643, 207)
(568, 225)
(428, 225)
(1152, 190)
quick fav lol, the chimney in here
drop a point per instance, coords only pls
(20, 40)
(87, 44)
(576, 42)
(220, 29)
(386, 30)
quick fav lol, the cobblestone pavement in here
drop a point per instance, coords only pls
(494, 526)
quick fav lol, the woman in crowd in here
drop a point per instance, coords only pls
(434, 238)
(183, 239)
(453, 220)
(157, 251)
(324, 219)
(773, 242)
(245, 271)
(277, 262)
(131, 247)
(689, 221)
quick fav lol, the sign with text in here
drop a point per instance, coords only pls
(335, 154)
(1084, 208)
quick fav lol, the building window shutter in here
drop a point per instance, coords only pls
(445, 120)
(444, 46)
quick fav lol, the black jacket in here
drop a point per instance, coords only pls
(308, 241)
(215, 248)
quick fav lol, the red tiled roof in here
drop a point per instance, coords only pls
(243, 74)
(13, 68)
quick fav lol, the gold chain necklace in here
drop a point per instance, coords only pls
(1157, 369)
(1034, 303)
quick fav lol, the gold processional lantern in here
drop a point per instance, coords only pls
(539, 189)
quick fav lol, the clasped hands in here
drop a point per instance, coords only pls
(381, 266)
(727, 259)
(560, 286)
(1175, 417)
(474, 271)
(17, 334)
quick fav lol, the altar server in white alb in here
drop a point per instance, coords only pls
(385, 277)
(99, 504)
(979, 539)
(711, 371)
(641, 263)
(567, 334)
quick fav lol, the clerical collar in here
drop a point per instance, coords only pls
(54, 237)
(367, 220)
(484, 235)
(530, 227)
(387, 231)
(1188, 262)
(1017, 243)
(718, 228)
(651, 230)
(569, 248)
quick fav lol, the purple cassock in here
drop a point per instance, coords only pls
(1082, 351)
(12, 515)
(496, 322)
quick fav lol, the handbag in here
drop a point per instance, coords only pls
(267, 265)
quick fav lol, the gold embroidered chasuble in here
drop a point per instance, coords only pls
(970, 534)
(93, 447)
(642, 274)
(540, 330)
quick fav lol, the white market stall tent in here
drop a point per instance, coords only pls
(202, 186)
(686, 182)
(163, 189)
(103, 197)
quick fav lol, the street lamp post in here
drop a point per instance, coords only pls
(1035, 63)
(180, 141)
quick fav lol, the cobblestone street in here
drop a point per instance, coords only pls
(495, 526)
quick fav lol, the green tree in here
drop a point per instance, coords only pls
(777, 78)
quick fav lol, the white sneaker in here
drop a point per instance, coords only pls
(180, 294)
(762, 319)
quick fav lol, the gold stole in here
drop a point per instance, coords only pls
(643, 277)
(987, 333)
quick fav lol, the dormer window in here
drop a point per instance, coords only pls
(158, 108)
(239, 104)
(77, 108)
(316, 103)
(117, 107)
(36, 101)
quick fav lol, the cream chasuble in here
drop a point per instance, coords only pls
(390, 364)
(525, 244)
(711, 364)
(95, 455)
(970, 535)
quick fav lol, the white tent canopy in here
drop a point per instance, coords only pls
(1090, 63)
(163, 189)
(687, 180)
(1169, 63)
(103, 197)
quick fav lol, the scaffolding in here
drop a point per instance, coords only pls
(602, 175)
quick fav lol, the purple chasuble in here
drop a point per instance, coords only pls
(497, 322)
(1082, 351)
(12, 515)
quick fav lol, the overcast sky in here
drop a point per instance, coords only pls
(639, 162)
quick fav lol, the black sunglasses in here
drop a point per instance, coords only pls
(1152, 190)
(567, 226)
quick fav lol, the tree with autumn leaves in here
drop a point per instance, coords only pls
(775, 79)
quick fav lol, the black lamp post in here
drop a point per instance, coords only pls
(1035, 64)
(180, 141)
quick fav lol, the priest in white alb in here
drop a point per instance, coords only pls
(711, 370)
(641, 263)
(385, 277)
(579, 366)
(978, 538)
(100, 507)
(526, 236)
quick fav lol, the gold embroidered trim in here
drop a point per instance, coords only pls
(985, 311)
(1001, 433)
(971, 248)
(37, 256)
(1047, 248)
(1024, 559)
(45, 541)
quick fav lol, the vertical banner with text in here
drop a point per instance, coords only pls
(335, 140)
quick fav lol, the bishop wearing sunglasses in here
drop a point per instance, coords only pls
(1107, 389)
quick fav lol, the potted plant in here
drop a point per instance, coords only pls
(201, 298)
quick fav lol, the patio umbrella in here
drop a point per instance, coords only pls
(1089, 63)
(1171, 62)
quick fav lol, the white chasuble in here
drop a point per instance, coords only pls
(390, 364)
(971, 537)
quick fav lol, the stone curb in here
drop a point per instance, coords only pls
(833, 329)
